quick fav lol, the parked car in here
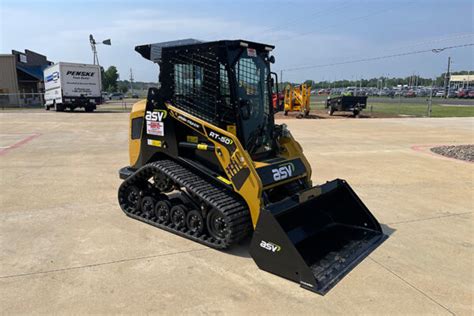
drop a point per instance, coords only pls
(410, 94)
(470, 94)
(452, 94)
(422, 93)
(439, 93)
(460, 93)
(116, 96)
(135, 96)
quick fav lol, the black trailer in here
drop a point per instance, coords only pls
(354, 104)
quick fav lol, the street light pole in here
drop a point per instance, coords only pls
(93, 43)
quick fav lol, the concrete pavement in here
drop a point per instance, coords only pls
(67, 248)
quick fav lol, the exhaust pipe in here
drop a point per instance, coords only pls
(315, 242)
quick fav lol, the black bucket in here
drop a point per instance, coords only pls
(318, 241)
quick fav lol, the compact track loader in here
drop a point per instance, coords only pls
(208, 162)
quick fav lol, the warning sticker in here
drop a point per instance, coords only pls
(251, 52)
(155, 128)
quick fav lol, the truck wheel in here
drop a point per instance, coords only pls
(46, 107)
(89, 109)
(330, 111)
(285, 113)
(59, 107)
(356, 113)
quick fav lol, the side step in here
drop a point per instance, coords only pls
(316, 242)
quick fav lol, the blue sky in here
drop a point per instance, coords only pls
(304, 32)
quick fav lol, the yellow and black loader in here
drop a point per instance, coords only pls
(208, 162)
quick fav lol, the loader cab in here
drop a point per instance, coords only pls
(225, 83)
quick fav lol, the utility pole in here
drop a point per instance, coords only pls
(281, 79)
(131, 81)
(446, 79)
(430, 102)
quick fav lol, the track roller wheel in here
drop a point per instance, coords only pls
(178, 215)
(162, 182)
(148, 205)
(217, 225)
(132, 199)
(162, 211)
(195, 222)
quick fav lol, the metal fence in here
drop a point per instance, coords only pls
(399, 106)
(12, 101)
(21, 100)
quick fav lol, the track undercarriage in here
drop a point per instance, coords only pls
(169, 196)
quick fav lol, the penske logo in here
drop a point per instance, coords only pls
(156, 116)
(283, 171)
(270, 246)
(53, 77)
(80, 73)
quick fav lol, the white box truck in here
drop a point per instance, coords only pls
(69, 85)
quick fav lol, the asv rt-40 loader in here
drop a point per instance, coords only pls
(208, 162)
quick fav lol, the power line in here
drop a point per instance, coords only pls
(338, 24)
(451, 37)
(292, 21)
(436, 40)
(432, 50)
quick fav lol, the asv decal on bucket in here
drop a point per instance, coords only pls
(283, 171)
(270, 246)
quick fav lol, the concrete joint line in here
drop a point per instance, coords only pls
(428, 219)
(413, 287)
(101, 264)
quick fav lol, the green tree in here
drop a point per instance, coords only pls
(310, 83)
(123, 86)
(110, 78)
(102, 76)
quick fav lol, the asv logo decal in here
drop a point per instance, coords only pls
(270, 246)
(283, 171)
(155, 116)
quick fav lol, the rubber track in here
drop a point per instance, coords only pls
(236, 211)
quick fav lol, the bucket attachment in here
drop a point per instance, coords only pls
(316, 237)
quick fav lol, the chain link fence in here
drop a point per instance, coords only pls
(19, 101)
(400, 106)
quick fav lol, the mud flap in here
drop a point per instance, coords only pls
(315, 242)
